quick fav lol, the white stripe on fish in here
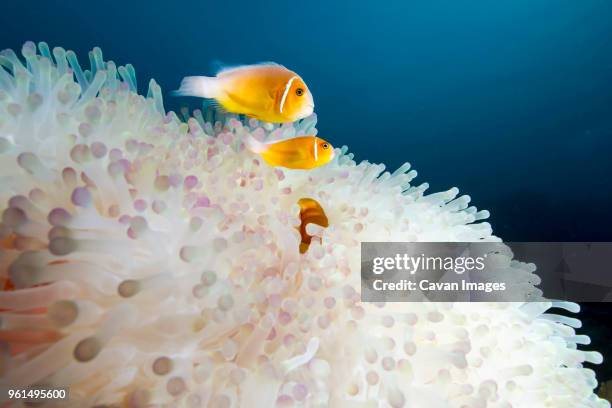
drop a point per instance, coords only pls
(287, 88)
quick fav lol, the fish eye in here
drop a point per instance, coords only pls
(299, 92)
(325, 145)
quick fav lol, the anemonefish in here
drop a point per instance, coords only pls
(267, 91)
(301, 153)
(311, 212)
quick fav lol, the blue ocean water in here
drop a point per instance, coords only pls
(509, 100)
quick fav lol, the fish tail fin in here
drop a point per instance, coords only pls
(255, 145)
(202, 86)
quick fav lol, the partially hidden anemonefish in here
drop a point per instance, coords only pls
(301, 153)
(311, 212)
(267, 91)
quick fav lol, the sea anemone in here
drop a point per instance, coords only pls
(155, 262)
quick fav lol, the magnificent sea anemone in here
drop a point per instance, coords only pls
(150, 261)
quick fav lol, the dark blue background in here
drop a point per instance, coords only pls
(509, 100)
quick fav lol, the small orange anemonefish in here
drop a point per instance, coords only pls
(268, 91)
(311, 212)
(300, 153)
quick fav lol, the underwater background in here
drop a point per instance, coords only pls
(510, 101)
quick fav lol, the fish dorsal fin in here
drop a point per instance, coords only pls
(228, 69)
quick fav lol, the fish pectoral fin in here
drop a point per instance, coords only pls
(276, 96)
